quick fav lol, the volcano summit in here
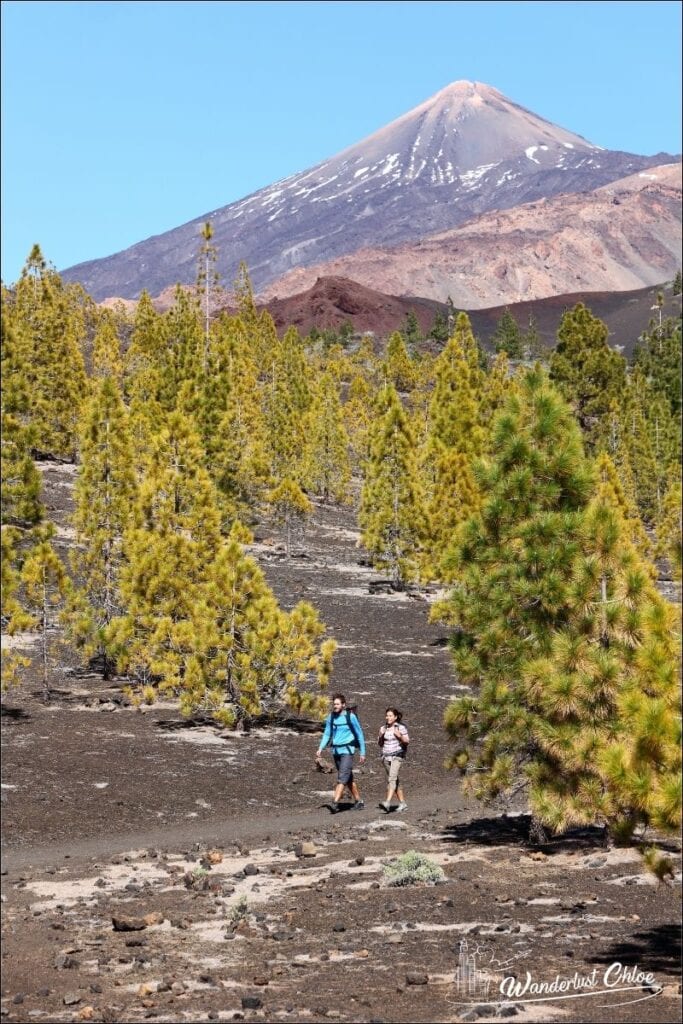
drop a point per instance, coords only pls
(466, 151)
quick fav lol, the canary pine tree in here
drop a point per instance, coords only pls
(586, 370)
(357, 413)
(454, 440)
(21, 483)
(455, 498)
(391, 510)
(498, 384)
(105, 507)
(508, 337)
(669, 524)
(261, 658)
(164, 630)
(513, 563)
(291, 508)
(327, 466)
(45, 586)
(143, 366)
(288, 399)
(106, 351)
(604, 732)
(639, 450)
(399, 368)
(207, 282)
(48, 321)
(611, 490)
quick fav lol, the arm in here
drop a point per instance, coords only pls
(325, 736)
(359, 735)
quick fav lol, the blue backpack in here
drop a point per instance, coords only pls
(335, 725)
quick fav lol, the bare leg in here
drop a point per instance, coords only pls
(355, 792)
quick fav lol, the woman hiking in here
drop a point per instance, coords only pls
(393, 741)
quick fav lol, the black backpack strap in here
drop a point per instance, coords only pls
(352, 728)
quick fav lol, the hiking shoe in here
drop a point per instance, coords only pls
(403, 806)
(385, 805)
(335, 808)
(359, 805)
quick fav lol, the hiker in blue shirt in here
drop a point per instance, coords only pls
(343, 731)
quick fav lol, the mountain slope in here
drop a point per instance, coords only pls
(619, 237)
(466, 151)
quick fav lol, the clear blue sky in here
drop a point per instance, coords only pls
(123, 120)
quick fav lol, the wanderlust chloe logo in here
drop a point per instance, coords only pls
(480, 975)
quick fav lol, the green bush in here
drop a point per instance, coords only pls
(411, 868)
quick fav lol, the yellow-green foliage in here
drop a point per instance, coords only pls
(327, 467)
(610, 489)
(261, 656)
(105, 498)
(605, 699)
(106, 351)
(45, 587)
(357, 414)
(669, 525)
(48, 321)
(391, 513)
(291, 508)
(399, 369)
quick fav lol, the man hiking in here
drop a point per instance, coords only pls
(343, 731)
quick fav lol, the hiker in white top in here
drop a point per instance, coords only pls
(393, 742)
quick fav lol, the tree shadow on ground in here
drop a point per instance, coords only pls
(505, 830)
(656, 950)
(299, 725)
(14, 714)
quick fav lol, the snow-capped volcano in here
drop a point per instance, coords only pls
(468, 150)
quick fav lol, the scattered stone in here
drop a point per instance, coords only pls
(306, 849)
(18, 998)
(338, 927)
(214, 856)
(154, 918)
(507, 1010)
(250, 869)
(484, 1009)
(86, 1013)
(260, 980)
(71, 999)
(43, 992)
(395, 939)
(416, 978)
(96, 989)
(64, 962)
(128, 924)
(251, 1002)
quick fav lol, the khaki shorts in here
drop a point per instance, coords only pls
(392, 766)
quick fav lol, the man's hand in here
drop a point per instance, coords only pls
(361, 759)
